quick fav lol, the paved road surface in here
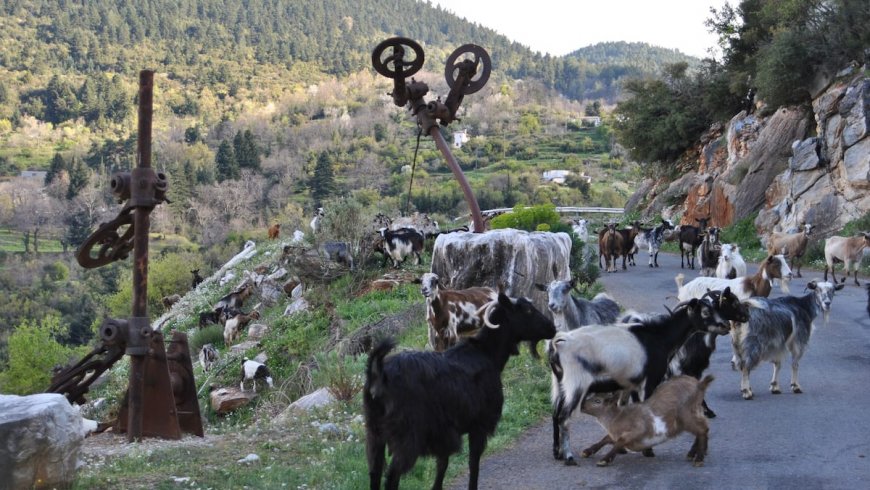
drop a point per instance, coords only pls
(817, 440)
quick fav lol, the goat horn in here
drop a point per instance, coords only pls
(487, 311)
(668, 310)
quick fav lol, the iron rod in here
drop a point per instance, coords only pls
(476, 217)
(141, 225)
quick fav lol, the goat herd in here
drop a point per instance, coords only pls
(641, 375)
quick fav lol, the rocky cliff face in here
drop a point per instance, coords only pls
(790, 166)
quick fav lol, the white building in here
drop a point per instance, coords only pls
(460, 137)
(556, 176)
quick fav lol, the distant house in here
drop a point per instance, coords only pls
(34, 174)
(460, 137)
(591, 121)
(556, 176)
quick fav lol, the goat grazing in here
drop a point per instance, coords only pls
(274, 231)
(777, 326)
(254, 371)
(338, 252)
(759, 284)
(674, 408)
(570, 312)
(848, 250)
(208, 355)
(197, 279)
(421, 403)
(731, 264)
(709, 251)
(632, 357)
(580, 228)
(170, 300)
(652, 239)
(234, 326)
(690, 238)
(792, 245)
(451, 313)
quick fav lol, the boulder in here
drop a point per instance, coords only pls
(243, 347)
(257, 331)
(41, 438)
(226, 400)
(296, 306)
(319, 398)
(270, 291)
(856, 164)
(767, 158)
(511, 258)
(805, 155)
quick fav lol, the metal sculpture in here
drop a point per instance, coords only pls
(161, 386)
(467, 71)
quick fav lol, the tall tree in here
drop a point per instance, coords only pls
(58, 165)
(78, 178)
(247, 153)
(322, 183)
(226, 165)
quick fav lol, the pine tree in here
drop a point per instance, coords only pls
(323, 181)
(58, 164)
(226, 165)
(78, 178)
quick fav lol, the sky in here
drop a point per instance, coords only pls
(559, 27)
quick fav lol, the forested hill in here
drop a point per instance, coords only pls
(602, 67)
(206, 41)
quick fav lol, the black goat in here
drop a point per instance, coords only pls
(197, 279)
(693, 358)
(690, 238)
(868, 299)
(421, 403)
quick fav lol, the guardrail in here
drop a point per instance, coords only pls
(564, 210)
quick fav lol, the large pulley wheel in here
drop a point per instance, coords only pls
(474, 62)
(394, 65)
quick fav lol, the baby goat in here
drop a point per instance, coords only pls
(570, 312)
(234, 326)
(421, 403)
(674, 408)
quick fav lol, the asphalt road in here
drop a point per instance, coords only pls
(816, 440)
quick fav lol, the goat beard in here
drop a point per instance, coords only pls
(784, 285)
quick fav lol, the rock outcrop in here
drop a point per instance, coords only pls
(782, 166)
(512, 258)
(41, 438)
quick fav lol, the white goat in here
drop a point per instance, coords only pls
(773, 267)
(731, 263)
(849, 250)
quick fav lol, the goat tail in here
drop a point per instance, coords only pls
(679, 280)
(705, 383)
(375, 366)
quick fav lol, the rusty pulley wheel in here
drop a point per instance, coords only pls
(474, 68)
(394, 65)
(112, 244)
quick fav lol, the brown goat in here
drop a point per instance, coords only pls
(792, 245)
(234, 326)
(674, 408)
(274, 230)
(610, 246)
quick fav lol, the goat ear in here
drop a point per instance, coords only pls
(504, 300)
(840, 286)
(811, 285)
(540, 287)
(417, 280)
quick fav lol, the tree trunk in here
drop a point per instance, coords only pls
(36, 240)
(26, 240)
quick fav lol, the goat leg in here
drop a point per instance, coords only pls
(774, 383)
(648, 453)
(795, 386)
(375, 453)
(441, 469)
(708, 412)
(698, 450)
(608, 458)
(476, 445)
(589, 451)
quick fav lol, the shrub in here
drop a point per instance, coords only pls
(341, 375)
(528, 219)
(33, 352)
(212, 334)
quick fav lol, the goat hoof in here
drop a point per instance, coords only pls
(603, 463)
(570, 461)
(747, 395)
(796, 390)
(709, 414)
(775, 391)
(648, 453)
(698, 464)
(586, 453)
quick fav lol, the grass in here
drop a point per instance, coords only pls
(13, 241)
(294, 451)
